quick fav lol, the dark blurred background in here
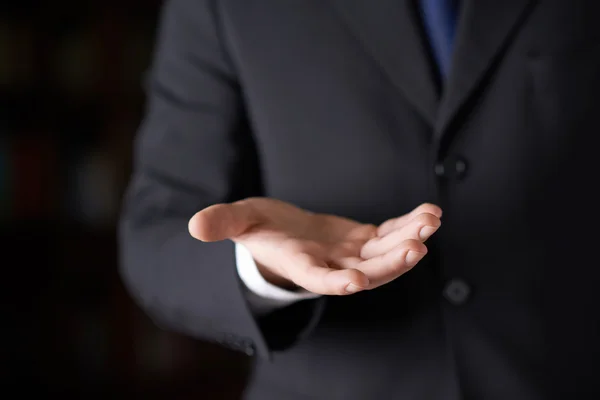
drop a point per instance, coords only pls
(71, 99)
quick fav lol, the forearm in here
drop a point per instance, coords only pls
(184, 285)
(194, 149)
(205, 299)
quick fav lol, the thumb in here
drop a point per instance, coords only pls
(223, 221)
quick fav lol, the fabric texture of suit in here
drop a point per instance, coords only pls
(333, 105)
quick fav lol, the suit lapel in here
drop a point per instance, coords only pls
(484, 30)
(389, 31)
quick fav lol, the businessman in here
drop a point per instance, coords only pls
(384, 199)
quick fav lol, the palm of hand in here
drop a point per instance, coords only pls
(325, 253)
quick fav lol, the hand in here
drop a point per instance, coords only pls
(321, 253)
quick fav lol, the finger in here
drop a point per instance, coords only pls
(419, 228)
(223, 221)
(387, 267)
(396, 223)
(315, 276)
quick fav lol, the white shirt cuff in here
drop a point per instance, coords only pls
(264, 296)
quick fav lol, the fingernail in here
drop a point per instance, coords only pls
(412, 258)
(426, 232)
(352, 288)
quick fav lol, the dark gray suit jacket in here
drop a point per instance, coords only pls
(333, 106)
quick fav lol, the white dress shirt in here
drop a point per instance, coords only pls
(263, 296)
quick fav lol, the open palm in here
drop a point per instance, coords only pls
(321, 253)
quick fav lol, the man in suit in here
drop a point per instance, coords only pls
(291, 173)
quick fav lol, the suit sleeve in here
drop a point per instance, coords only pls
(194, 149)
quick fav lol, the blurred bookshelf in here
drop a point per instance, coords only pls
(70, 104)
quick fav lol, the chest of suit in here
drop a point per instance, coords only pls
(349, 119)
(348, 88)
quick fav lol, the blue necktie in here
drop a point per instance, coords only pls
(439, 20)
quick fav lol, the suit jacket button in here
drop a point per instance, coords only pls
(460, 168)
(457, 292)
(453, 168)
(440, 170)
